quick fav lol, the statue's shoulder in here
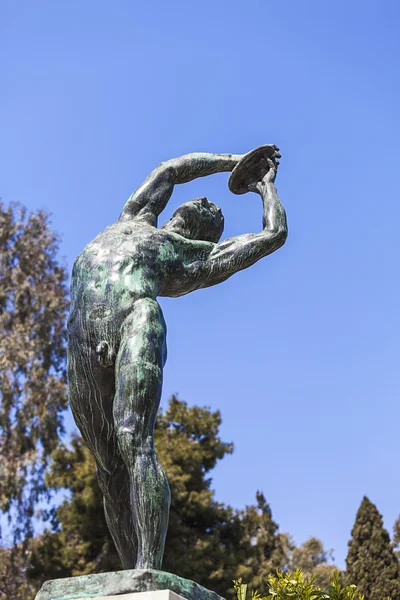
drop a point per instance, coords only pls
(106, 238)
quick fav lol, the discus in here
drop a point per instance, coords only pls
(251, 169)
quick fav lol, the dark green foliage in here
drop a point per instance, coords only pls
(264, 547)
(396, 537)
(371, 562)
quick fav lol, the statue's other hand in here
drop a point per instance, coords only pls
(270, 168)
(270, 176)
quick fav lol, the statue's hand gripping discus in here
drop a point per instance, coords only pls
(252, 168)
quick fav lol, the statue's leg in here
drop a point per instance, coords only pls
(139, 365)
(91, 395)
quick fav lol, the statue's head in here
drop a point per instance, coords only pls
(197, 220)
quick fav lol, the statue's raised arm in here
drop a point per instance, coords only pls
(152, 196)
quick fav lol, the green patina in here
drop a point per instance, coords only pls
(123, 582)
(136, 278)
(167, 253)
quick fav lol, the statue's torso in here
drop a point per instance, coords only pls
(125, 262)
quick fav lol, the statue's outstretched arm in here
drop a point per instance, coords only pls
(152, 196)
(242, 251)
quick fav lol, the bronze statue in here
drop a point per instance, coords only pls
(117, 333)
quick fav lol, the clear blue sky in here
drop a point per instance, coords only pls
(300, 353)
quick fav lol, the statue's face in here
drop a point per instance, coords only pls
(198, 220)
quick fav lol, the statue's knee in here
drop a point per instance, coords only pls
(129, 429)
(133, 437)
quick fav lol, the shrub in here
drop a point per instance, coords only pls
(295, 586)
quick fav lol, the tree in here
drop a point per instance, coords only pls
(396, 538)
(371, 562)
(33, 306)
(264, 549)
(312, 559)
(13, 581)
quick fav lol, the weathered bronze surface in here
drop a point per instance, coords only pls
(122, 582)
(117, 333)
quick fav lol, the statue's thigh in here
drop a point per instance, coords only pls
(138, 369)
(91, 394)
(143, 335)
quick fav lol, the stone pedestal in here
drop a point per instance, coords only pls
(160, 595)
(125, 585)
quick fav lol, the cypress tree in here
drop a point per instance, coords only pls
(371, 563)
